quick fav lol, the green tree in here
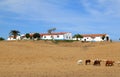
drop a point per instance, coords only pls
(27, 35)
(77, 36)
(36, 36)
(51, 30)
(15, 33)
(1, 39)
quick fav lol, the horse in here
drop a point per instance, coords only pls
(88, 61)
(109, 63)
(97, 62)
(79, 62)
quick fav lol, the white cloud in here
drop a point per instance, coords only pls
(55, 11)
(52, 10)
(35, 10)
(102, 7)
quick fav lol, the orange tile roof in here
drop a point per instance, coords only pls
(93, 35)
(59, 33)
(11, 36)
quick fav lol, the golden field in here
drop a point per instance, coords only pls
(47, 59)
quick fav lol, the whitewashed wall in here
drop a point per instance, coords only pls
(92, 39)
(17, 38)
(67, 36)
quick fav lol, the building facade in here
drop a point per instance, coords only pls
(56, 36)
(64, 36)
(95, 37)
(12, 38)
(46, 36)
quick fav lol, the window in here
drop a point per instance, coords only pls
(66, 36)
(44, 36)
(51, 36)
(58, 36)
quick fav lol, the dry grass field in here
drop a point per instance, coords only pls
(46, 59)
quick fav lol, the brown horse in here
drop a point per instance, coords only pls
(109, 63)
(88, 61)
(97, 62)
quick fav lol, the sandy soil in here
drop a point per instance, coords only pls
(46, 59)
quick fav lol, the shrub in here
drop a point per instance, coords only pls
(1, 39)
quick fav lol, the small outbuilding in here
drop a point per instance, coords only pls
(95, 37)
(56, 36)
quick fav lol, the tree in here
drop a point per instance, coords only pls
(15, 33)
(1, 39)
(36, 36)
(77, 36)
(27, 35)
(50, 30)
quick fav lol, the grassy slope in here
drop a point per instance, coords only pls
(46, 59)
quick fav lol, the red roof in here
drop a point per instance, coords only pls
(93, 35)
(59, 33)
(11, 36)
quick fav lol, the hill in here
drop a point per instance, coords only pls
(48, 59)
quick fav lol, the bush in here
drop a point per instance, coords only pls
(36, 36)
(27, 35)
(1, 39)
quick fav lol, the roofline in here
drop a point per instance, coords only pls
(55, 33)
(93, 35)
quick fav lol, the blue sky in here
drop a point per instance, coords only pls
(76, 16)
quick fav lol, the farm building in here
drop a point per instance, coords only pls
(46, 36)
(12, 38)
(56, 36)
(64, 36)
(95, 37)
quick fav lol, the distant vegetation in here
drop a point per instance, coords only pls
(77, 36)
(1, 39)
(36, 36)
(51, 30)
(14, 33)
(27, 35)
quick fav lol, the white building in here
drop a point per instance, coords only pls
(12, 38)
(95, 37)
(46, 36)
(57, 36)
